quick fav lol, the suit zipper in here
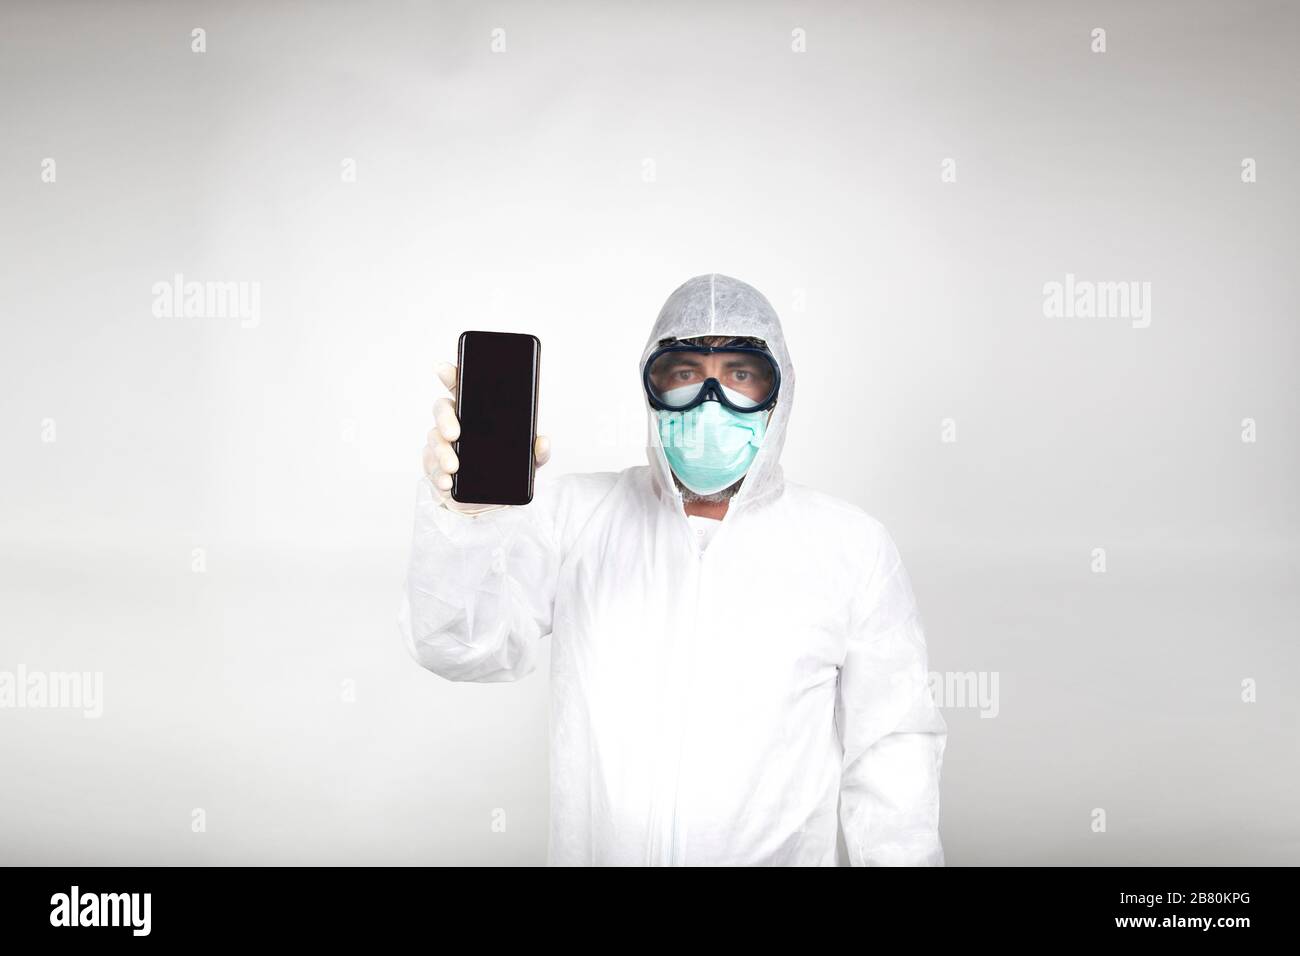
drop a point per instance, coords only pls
(684, 703)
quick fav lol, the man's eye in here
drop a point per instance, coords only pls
(742, 375)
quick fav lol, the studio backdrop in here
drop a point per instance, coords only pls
(1036, 265)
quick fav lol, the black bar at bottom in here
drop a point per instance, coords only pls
(367, 905)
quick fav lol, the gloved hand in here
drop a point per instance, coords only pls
(440, 461)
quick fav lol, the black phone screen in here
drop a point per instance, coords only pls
(497, 406)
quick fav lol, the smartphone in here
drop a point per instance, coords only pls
(496, 401)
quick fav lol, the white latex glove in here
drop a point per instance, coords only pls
(440, 461)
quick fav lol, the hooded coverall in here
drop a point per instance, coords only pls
(725, 705)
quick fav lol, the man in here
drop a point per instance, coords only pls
(734, 657)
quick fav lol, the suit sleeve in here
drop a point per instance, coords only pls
(480, 590)
(892, 733)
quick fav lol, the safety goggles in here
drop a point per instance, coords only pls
(679, 376)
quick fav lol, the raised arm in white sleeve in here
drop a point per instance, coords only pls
(480, 589)
(892, 733)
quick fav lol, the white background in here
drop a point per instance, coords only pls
(508, 191)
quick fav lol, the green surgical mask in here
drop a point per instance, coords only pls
(710, 447)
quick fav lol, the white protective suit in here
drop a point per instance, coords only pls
(711, 707)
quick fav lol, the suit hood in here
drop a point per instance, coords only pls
(720, 305)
